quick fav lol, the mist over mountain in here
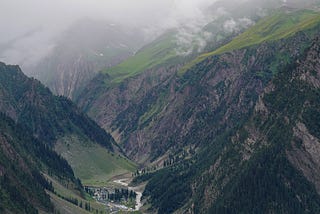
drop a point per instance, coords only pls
(87, 47)
(33, 31)
(65, 49)
(37, 27)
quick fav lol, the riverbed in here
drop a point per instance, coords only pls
(125, 182)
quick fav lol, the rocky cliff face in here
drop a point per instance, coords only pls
(273, 132)
(150, 105)
(258, 149)
(158, 109)
(305, 143)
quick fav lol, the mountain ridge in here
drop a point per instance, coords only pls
(284, 24)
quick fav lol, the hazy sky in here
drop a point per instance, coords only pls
(28, 27)
(21, 16)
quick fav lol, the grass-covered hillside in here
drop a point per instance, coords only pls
(157, 53)
(91, 162)
(282, 24)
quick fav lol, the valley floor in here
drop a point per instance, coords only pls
(121, 181)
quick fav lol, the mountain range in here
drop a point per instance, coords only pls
(227, 121)
(226, 124)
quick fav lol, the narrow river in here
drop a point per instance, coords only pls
(124, 182)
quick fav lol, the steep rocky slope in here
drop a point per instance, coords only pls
(276, 146)
(257, 127)
(140, 105)
(125, 98)
(234, 129)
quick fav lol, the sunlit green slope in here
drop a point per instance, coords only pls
(156, 53)
(92, 163)
(280, 25)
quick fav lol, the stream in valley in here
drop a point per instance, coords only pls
(125, 183)
(101, 195)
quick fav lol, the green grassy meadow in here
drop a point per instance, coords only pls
(158, 52)
(278, 26)
(92, 163)
(64, 206)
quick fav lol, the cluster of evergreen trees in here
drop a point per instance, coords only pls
(118, 195)
(122, 194)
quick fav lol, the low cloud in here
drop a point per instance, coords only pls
(51, 18)
(234, 26)
(152, 17)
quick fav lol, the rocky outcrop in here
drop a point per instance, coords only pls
(304, 154)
